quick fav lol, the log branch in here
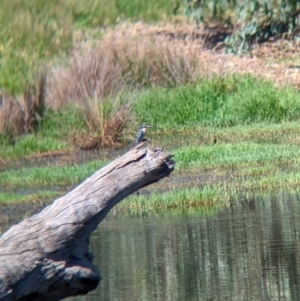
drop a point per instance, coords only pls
(46, 257)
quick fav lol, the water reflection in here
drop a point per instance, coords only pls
(250, 252)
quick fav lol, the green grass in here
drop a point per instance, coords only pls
(178, 200)
(9, 198)
(226, 168)
(63, 123)
(263, 132)
(91, 13)
(238, 155)
(268, 182)
(32, 144)
(50, 176)
(34, 32)
(56, 134)
(246, 166)
(219, 101)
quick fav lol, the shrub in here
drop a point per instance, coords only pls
(261, 19)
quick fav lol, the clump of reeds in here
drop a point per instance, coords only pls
(106, 120)
(23, 115)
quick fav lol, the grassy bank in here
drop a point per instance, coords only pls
(207, 175)
(179, 200)
(218, 101)
(233, 160)
(54, 176)
(230, 136)
(209, 107)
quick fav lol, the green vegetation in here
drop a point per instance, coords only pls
(210, 103)
(217, 174)
(261, 19)
(254, 124)
(54, 176)
(56, 133)
(9, 198)
(34, 32)
(60, 124)
(179, 200)
(220, 101)
(31, 144)
(245, 166)
(231, 135)
(237, 156)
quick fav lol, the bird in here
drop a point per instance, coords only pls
(141, 134)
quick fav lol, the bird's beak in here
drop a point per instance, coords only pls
(149, 126)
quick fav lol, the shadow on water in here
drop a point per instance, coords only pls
(250, 252)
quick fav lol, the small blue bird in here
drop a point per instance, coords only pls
(141, 134)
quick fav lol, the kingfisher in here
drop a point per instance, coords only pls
(142, 132)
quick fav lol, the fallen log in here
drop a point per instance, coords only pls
(46, 257)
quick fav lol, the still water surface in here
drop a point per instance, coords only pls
(249, 252)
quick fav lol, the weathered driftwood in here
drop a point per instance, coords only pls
(46, 257)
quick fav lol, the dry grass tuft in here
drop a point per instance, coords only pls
(22, 116)
(105, 123)
(123, 59)
(92, 72)
(12, 118)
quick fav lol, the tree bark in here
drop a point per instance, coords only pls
(46, 257)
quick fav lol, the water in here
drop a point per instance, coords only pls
(249, 252)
